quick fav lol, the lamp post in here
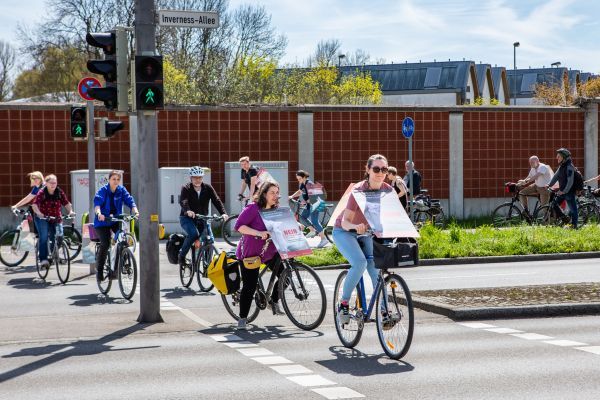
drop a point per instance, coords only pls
(515, 45)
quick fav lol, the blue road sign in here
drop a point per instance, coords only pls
(408, 127)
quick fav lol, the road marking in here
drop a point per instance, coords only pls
(337, 393)
(226, 338)
(291, 369)
(590, 349)
(531, 336)
(255, 352)
(310, 380)
(239, 345)
(195, 318)
(476, 325)
(565, 343)
(272, 360)
(502, 330)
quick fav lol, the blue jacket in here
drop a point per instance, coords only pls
(102, 200)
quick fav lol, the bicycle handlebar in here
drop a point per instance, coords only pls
(207, 218)
(120, 218)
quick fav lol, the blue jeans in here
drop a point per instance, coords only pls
(193, 230)
(307, 213)
(359, 253)
(48, 230)
(572, 203)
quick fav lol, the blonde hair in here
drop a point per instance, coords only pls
(245, 158)
(50, 177)
(36, 174)
(115, 172)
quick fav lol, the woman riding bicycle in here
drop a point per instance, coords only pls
(194, 199)
(47, 206)
(36, 178)
(252, 244)
(310, 214)
(109, 201)
(357, 249)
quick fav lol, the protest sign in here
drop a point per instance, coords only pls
(285, 232)
(264, 176)
(341, 206)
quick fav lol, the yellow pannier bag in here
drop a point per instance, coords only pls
(224, 273)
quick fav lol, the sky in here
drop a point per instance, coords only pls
(413, 30)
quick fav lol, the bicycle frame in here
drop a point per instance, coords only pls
(363, 297)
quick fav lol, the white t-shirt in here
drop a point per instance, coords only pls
(546, 174)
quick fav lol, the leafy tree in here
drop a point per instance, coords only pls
(591, 88)
(359, 89)
(179, 88)
(7, 62)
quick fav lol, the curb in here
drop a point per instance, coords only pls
(488, 260)
(543, 310)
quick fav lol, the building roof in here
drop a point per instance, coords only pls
(526, 79)
(499, 79)
(574, 78)
(484, 71)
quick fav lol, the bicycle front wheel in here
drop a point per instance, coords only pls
(62, 262)
(127, 273)
(351, 332)
(546, 216)
(302, 295)
(131, 242)
(186, 273)
(72, 239)
(395, 317)
(230, 235)
(587, 214)
(506, 215)
(205, 257)
(10, 253)
(41, 271)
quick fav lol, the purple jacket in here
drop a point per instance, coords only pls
(250, 216)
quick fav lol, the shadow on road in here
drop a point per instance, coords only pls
(357, 363)
(257, 334)
(59, 352)
(21, 269)
(86, 300)
(29, 283)
(180, 292)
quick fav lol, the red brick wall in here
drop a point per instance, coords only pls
(343, 141)
(497, 145)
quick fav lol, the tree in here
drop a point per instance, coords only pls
(554, 94)
(326, 53)
(7, 62)
(591, 88)
(179, 88)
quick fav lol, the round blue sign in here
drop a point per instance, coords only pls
(408, 127)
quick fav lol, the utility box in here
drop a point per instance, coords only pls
(277, 169)
(79, 195)
(170, 180)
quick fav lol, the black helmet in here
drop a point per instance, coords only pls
(564, 152)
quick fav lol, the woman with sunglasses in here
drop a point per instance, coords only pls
(350, 224)
(36, 179)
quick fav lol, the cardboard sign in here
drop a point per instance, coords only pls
(341, 206)
(264, 176)
(285, 232)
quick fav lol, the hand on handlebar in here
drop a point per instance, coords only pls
(361, 229)
(191, 214)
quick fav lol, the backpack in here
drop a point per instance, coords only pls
(578, 182)
(173, 246)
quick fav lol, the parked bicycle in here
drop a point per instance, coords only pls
(58, 255)
(550, 215)
(391, 302)
(72, 238)
(325, 210)
(120, 263)
(588, 207)
(11, 253)
(203, 252)
(300, 290)
(230, 235)
(427, 210)
(512, 213)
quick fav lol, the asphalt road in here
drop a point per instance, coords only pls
(66, 342)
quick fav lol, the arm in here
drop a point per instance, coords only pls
(24, 201)
(243, 188)
(346, 225)
(554, 178)
(36, 210)
(570, 179)
(252, 185)
(588, 181)
(216, 200)
(129, 201)
(66, 203)
(402, 187)
(246, 230)
(184, 202)
(296, 194)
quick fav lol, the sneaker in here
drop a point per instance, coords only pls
(181, 260)
(324, 242)
(275, 308)
(242, 324)
(311, 234)
(45, 264)
(343, 313)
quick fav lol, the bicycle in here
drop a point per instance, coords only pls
(298, 285)
(72, 238)
(230, 235)
(547, 215)
(395, 319)
(325, 211)
(11, 253)
(587, 207)
(125, 265)
(428, 210)
(203, 252)
(513, 213)
(58, 255)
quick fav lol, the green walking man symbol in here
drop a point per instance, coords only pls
(78, 130)
(149, 96)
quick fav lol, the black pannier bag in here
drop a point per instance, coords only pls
(173, 246)
(403, 252)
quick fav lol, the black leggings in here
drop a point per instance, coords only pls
(250, 282)
(104, 234)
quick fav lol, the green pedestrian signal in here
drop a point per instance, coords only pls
(149, 87)
(149, 96)
(78, 130)
(78, 123)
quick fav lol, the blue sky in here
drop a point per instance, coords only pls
(413, 30)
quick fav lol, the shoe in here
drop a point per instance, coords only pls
(311, 234)
(275, 308)
(324, 242)
(242, 324)
(45, 264)
(181, 260)
(343, 313)
(113, 274)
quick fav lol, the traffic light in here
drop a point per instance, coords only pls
(113, 68)
(107, 129)
(78, 123)
(149, 82)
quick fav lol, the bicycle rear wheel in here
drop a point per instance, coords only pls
(230, 235)
(127, 273)
(205, 257)
(72, 239)
(587, 214)
(302, 295)
(545, 216)
(10, 253)
(232, 305)
(62, 262)
(351, 332)
(186, 273)
(506, 215)
(395, 317)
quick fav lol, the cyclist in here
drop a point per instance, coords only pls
(194, 199)
(48, 203)
(310, 215)
(398, 184)
(252, 244)
(36, 179)
(109, 201)
(565, 176)
(249, 176)
(409, 166)
(540, 175)
(358, 250)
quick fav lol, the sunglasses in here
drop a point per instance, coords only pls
(378, 170)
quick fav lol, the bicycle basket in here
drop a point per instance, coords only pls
(510, 187)
(403, 253)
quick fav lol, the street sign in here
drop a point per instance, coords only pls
(408, 127)
(188, 19)
(85, 84)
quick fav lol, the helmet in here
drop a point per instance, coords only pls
(196, 171)
(564, 152)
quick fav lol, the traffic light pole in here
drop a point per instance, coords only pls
(145, 38)
(91, 166)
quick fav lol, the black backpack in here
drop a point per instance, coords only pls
(173, 246)
(578, 182)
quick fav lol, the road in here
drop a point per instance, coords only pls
(67, 342)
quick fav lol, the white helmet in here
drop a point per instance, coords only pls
(196, 171)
